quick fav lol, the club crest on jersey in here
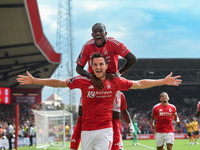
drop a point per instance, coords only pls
(105, 51)
(170, 110)
(108, 85)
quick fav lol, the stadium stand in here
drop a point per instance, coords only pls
(23, 46)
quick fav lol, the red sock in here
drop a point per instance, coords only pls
(76, 137)
(116, 135)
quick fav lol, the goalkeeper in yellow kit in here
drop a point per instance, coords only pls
(196, 130)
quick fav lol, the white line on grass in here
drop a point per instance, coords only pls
(146, 146)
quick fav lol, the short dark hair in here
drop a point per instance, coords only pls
(98, 24)
(162, 94)
(97, 55)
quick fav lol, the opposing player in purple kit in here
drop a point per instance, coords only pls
(164, 113)
(97, 105)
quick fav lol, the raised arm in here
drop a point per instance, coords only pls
(29, 79)
(148, 83)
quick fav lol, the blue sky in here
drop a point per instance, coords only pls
(149, 28)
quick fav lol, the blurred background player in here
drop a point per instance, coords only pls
(198, 110)
(120, 104)
(189, 127)
(31, 134)
(137, 130)
(66, 131)
(10, 133)
(195, 125)
(164, 113)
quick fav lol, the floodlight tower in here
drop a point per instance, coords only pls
(64, 43)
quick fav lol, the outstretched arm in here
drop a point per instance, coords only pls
(29, 79)
(148, 83)
(96, 82)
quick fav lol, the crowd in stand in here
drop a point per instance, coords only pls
(26, 118)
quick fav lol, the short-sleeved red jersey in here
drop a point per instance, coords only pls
(111, 50)
(198, 106)
(123, 102)
(123, 107)
(119, 102)
(97, 105)
(164, 116)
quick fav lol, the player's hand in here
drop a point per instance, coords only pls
(153, 127)
(179, 122)
(131, 128)
(110, 76)
(169, 80)
(139, 131)
(25, 79)
(98, 84)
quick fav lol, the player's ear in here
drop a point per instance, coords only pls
(106, 66)
(105, 33)
(92, 34)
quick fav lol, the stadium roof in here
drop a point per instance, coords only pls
(189, 69)
(23, 45)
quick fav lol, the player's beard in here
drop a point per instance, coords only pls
(102, 76)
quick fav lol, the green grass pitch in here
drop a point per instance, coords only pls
(179, 144)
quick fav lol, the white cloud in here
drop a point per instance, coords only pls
(48, 14)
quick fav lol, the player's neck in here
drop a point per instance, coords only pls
(103, 78)
(164, 104)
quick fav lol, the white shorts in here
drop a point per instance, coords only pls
(97, 139)
(162, 138)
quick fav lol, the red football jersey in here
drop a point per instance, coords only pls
(123, 107)
(123, 102)
(111, 50)
(198, 106)
(164, 116)
(97, 105)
